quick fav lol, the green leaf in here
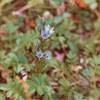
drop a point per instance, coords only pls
(97, 60)
(36, 80)
(22, 59)
(18, 69)
(42, 78)
(10, 60)
(87, 71)
(29, 67)
(32, 89)
(10, 27)
(32, 86)
(53, 63)
(71, 55)
(45, 97)
(61, 39)
(47, 89)
(72, 46)
(10, 93)
(3, 87)
(64, 83)
(57, 20)
(40, 90)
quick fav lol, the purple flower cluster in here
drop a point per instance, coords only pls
(45, 34)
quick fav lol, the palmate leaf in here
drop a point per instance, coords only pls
(64, 84)
(10, 27)
(72, 55)
(88, 71)
(10, 60)
(15, 88)
(18, 68)
(40, 90)
(47, 89)
(13, 58)
(39, 84)
(95, 60)
(89, 46)
(29, 67)
(43, 89)
(22, 59)
(43, 78)
(32, 86)
(27, 39)
(72, 46)
(53, 63)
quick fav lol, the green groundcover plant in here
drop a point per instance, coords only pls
(49, 50)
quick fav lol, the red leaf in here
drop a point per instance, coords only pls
(79, 3)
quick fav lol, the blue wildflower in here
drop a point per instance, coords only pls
(39, 54)
(47, 32)
(47, 55)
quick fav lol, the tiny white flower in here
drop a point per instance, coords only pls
(47, 32)
(47, 28)
(46, 15)
(81, 60)
(23, 72)
(39, 54)
(47, 55)
(24, 75)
